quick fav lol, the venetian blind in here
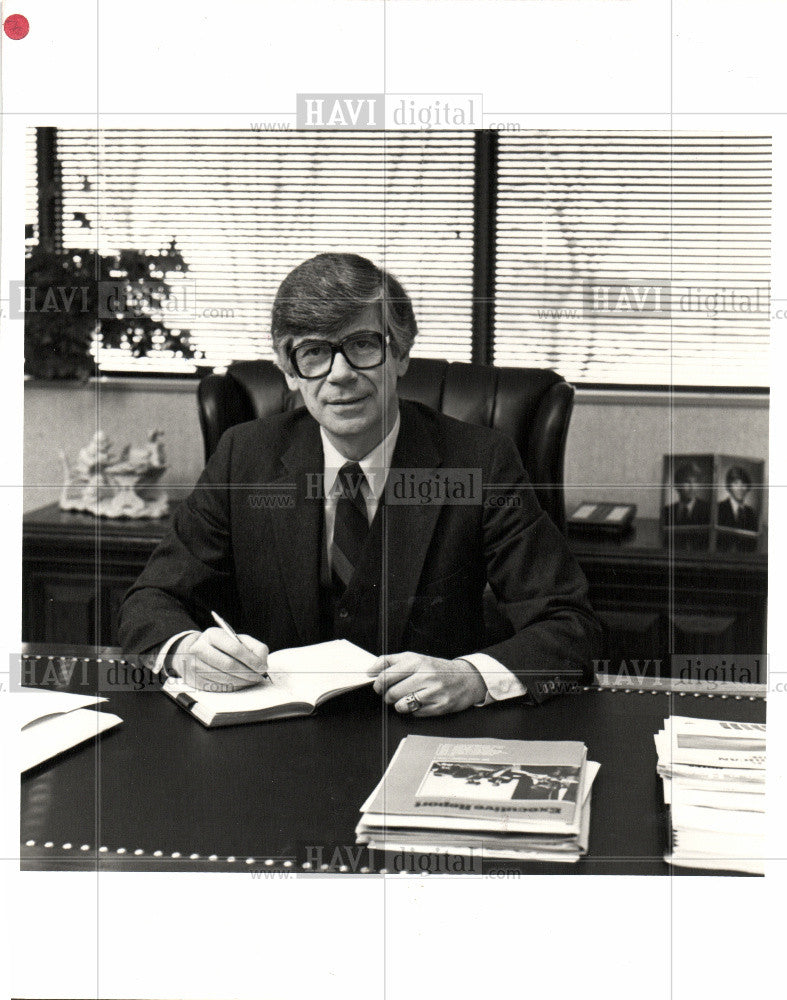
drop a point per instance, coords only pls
(244, 207)
(31, 189)
(596, 229)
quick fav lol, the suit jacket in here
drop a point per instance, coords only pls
(248, 540)
(726, 518)
(700, 513)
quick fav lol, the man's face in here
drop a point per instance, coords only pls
(738, 490)
(688, 490)
(352, 405)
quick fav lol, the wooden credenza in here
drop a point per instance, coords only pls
(655, 603)
(652, 603)
(76, 569)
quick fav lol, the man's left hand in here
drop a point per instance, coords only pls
(442, 686)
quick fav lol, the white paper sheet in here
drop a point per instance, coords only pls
(57, 733)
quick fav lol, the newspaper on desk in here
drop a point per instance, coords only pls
(714, 784)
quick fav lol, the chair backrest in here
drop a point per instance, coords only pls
(531, 405)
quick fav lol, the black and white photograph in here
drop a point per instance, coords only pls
(468, 780)
(687, 511)
(691, 478)
(739, 497)
(302, 478)
(393, 495)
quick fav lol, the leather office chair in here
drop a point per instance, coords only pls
(532, 405)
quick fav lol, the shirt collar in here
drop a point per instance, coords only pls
(375, 466)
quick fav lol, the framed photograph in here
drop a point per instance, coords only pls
(738, 502)
(687, 492)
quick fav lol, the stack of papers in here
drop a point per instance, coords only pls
(714, 785)
(53, 721)
(496, 799)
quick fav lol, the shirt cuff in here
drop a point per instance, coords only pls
(164, 651)
(501, 683)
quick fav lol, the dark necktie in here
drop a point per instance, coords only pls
(351, 525)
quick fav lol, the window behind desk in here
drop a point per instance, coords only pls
(245, 207)
(618, 258)
(627, 257)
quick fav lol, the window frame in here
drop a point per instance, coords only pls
(485, 204)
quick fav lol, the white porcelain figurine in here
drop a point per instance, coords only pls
(110, 484)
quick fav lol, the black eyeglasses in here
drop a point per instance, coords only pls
(314, 358)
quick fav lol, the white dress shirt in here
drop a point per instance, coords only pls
(375, 467)
(688, 507)
(737, 507)
(500, 682)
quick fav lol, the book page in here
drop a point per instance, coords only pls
(311, 672)
(300, 675)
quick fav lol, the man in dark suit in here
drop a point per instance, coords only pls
(733, 511)
(344, 519)
(690, 509)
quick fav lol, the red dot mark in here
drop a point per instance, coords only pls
(16, 26)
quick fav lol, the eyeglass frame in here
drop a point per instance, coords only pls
(337, 347)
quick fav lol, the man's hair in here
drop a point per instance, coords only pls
(326, 292)
(687, 471)
(737, 472)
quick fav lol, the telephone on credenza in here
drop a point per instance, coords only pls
(599, 519)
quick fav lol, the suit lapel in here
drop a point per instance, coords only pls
(297, 529)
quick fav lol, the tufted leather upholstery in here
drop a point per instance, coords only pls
(531, 405)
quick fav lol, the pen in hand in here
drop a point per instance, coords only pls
(233, 635)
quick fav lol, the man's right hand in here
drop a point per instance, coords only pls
(214, 661)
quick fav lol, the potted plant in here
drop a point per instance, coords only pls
(77, 301)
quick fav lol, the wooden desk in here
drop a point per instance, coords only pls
(77, 569)
(160, 792)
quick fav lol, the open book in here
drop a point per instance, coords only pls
(300, 679)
